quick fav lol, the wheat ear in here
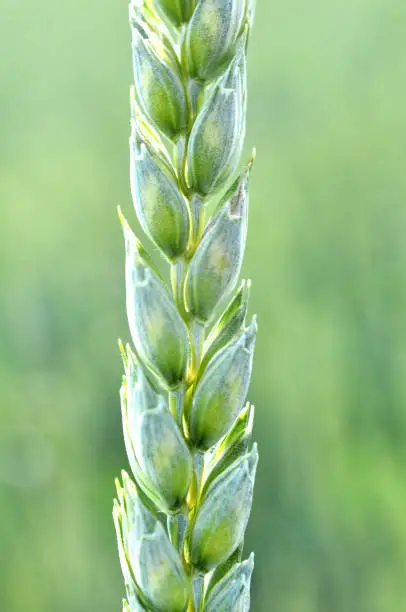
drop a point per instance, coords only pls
(180, 519)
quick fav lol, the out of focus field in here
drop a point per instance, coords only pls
(327, 255)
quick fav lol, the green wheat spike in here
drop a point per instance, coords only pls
(181, 516)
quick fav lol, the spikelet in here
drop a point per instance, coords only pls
(181, 516)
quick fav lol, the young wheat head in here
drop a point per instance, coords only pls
(180, 518)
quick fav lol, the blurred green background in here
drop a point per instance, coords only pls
(327, 255)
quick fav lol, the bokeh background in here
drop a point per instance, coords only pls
(327, 255)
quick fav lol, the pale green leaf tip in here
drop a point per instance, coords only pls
(123, 220)
(252, 160)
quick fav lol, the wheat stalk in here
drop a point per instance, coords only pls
(181, 519)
